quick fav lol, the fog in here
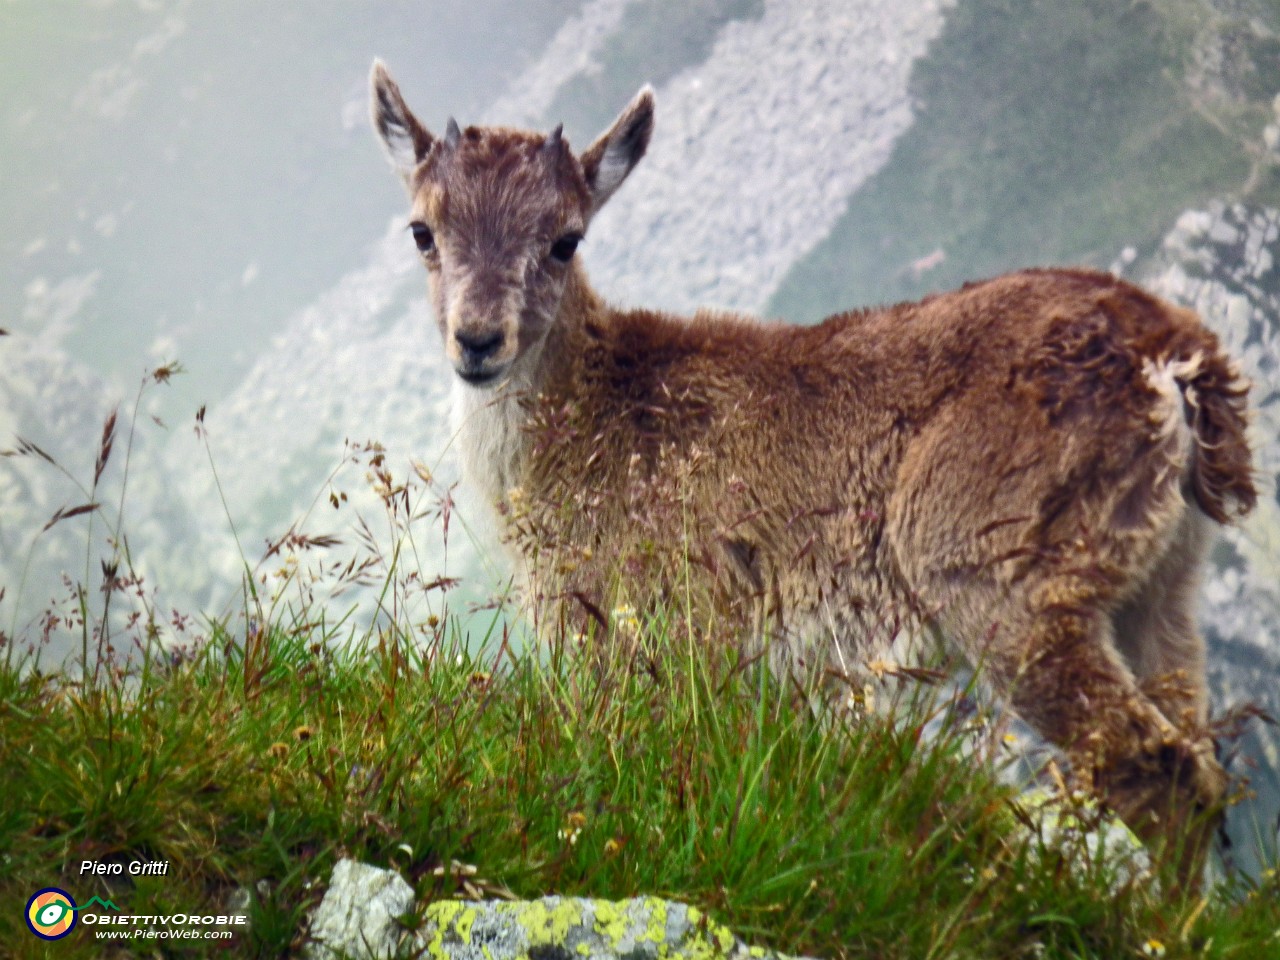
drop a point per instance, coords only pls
(189, 175)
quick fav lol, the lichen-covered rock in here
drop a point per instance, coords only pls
(1093, 841)
(359, 915)
(358, 918)
(566, 928)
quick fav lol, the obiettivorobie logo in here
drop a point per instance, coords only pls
(51, 912)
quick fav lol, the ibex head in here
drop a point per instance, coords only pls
(497, 215)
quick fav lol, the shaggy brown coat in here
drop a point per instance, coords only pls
(1029, 464)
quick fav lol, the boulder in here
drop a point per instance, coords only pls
(360, 917)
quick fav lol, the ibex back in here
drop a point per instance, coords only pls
(1030, 464)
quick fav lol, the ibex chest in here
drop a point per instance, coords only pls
(488, 426)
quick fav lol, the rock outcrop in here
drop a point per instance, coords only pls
(358, 918)
(756, 150)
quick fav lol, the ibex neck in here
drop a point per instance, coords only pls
(492, 438)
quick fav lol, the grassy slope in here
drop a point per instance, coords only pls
(676, 773)
(1048, 132)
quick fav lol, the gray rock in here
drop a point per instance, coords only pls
(358, 916)
(357, 919)
(560, 928)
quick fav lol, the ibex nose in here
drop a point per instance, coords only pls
(477, 347)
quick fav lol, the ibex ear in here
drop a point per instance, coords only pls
(607, 162)
(405, 140)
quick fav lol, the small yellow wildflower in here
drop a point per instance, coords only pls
(574, 823)
(517, 504)
(883, 668)
(862, 702)
(1153, 948)
(625, 618)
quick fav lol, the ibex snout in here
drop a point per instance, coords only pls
(479, 355)
(476, 348)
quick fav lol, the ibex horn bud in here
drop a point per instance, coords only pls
(452, 134)
(555, 142)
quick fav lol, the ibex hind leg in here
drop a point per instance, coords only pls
(1056, 656)
(1155, 629)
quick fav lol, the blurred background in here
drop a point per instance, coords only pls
(197, 182)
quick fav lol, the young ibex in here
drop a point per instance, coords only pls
(1029, 464)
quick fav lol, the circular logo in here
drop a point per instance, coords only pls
(51, 913)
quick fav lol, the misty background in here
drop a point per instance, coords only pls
(197, 182)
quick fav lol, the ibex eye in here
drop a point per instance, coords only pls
(563, 248)
(423, 237)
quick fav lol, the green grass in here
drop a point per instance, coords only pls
(681, 772)
(1046, 132)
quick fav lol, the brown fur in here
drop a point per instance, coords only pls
(1028, 463)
